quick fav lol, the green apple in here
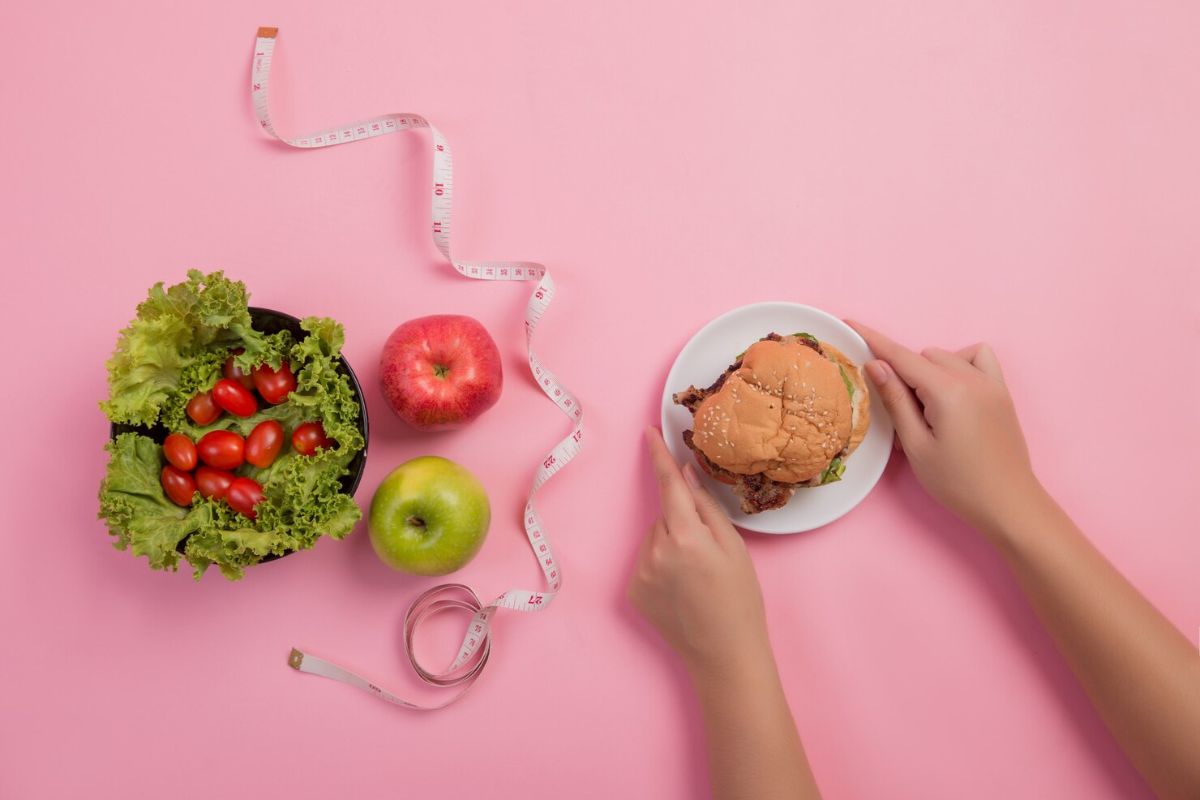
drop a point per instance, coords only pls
(428, 517)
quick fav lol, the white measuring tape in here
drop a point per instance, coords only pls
(476, 645)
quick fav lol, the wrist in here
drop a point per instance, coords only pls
(1018, 514)
(748, 664)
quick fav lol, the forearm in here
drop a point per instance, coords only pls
(1141, 674)
(754, 750)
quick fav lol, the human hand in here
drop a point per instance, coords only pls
(956, 423)
(694, 580)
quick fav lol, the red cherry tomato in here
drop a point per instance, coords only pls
(274, 384)
(213, 482)
(234, 398)
(202, 409)
(264, 443)
(221, 449)
(308, 437)
(178, 485)
(180, 451)
(234, 373)
(243, 495)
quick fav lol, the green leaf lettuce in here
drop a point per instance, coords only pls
(846, 380)
(175, 348)
(808, 337)
(205, 315)
(138, 512)
(833, 472)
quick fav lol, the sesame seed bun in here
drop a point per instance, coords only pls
(785, 412)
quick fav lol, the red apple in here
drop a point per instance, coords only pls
(440, 372)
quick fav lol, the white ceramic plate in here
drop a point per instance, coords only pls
(714, 348)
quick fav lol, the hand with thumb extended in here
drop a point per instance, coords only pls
(692, 556)
(956, 423)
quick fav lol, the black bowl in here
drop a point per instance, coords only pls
(268, 320)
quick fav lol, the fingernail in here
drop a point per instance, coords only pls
(689, 475)
(878, 372)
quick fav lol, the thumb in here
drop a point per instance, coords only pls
(900, 402)
(710, 511)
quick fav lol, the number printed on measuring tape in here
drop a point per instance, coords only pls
(476, 645)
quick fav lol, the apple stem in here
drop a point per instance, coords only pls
(416, 522)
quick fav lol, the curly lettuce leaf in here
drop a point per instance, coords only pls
(274, 349)
(204, 315)
(303, 501)
(324, 341)
(138, 512)
(199, 375)
(234, 542)
(322, 392)
(175, 348)
(303, 494)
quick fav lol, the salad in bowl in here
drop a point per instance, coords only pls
(239, 434)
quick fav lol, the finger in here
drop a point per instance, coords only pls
(678, 509)
(643, 570)
(900, 402)
(711, 513)
(983, 357)
(916, 371)
(969, 351)
(650, 542)
(947, 360)
(656, 530)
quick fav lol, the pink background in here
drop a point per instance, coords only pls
(1021, 172)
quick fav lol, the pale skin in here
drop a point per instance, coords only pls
(956, 423)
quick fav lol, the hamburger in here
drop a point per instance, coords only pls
(787, 413)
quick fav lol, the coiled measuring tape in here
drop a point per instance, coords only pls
(476, 645)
